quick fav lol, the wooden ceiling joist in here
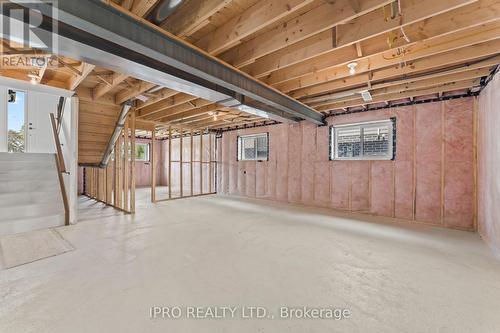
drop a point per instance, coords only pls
(193, 16)
(315, 52)
(190, 113)
(343, 56)
(103, 88)
(133, 92)
(477, 70)
(321, 18)
(376, 92)
(262, 14)
(193, 104)
(142, 7)
(450, 86)
(433, 54)
(159, 96)
(84, 69)
(152, 110)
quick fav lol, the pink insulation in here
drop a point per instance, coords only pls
(430, 181)
(489, 165)
(429, 155)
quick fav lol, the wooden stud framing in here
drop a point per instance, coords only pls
(201, 162)
(170, 162)
(126, 170)
(191, 162)
(181, 164)
(153, 166)
(475, 114)
(210, 163)
(132, 163)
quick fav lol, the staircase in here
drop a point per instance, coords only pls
(30, 194)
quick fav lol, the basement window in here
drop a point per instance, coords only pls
(253, 147)
(363, 141)
(142, 152)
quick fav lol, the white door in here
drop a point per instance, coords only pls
(39, 129)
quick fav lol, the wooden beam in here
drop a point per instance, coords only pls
(410, 84)
(127, 4)
(75, 81)
(126, 170)
(316, 50)
(132, 163)
(319, 19)
(193, 16)
(170, 162)
(134, 91)
(164, 104)
(435, 53)
(190, 113)
(375, 23)
(406, 94)
(159, 96)
(142, 7)
(359, 80)
(178, 107)
(421, 48)
(262, 14)
(153, 166)
(102, 88)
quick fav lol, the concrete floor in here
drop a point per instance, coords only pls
(221, 251)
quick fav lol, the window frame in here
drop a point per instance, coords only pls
(362, 125)
(239, 150)
(148, 152)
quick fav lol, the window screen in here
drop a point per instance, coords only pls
(253, 147)
(363, 141)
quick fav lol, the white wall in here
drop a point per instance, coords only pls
(68, 136)
(489, 165)
(3, 119)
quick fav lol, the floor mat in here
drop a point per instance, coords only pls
(26, 247)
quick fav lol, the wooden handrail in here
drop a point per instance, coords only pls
(59, 154)
(60, 113)
(61, 169)
(63, 192)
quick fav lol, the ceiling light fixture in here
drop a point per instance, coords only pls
(352, 67)
(215, 114)
(367, 96)
(33, 79)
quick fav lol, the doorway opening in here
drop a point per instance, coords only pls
(16, 121)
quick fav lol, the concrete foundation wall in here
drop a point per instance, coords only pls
(430, 181)
(489, 165)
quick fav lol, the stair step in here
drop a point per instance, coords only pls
(29, 198)
(41, 174)
(16, 186)
(30, 211)
(26, 165)
(23, 225)
(30, 194)
(26, 157)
